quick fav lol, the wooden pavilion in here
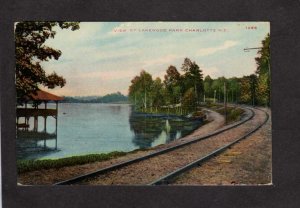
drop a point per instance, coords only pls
(35, 112)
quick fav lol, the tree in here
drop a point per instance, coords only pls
(193, 77)
(189, 100)
(208, 86)
(245, 90)
(253, 82)
(233, 89)
(247, 87)
(172, 84)
(156, 93)
(30, 51)
(263, 89)
(263, 72)
(218, 86)
(140, 88)
(263, 60)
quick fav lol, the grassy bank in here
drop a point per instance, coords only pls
(211, 105)
(31, 165)
(233, 114)
(177, 111)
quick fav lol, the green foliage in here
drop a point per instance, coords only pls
(211, 105)
(233, 114)
(147, 93)
(189, 100)
(31, 165)
(245, 90)
(263, 89)
(156, 93)
(263, 60)
(215, 87)
(233, 89)
(193, 77)
(172, 84)
(248, 89)
(263, 72)
(208, 81)
(218, 87)
(30, 50)
(177, 88)
(140, 88)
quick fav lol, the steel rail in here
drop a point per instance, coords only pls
(166, 179)
(135, 160)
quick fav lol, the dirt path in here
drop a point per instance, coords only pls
(248, 162)
(149, 170)
(216, 121)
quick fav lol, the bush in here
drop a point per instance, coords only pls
(233, 114)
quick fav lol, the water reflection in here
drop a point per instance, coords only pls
(36, 141)
(151, 130)
(115, 109)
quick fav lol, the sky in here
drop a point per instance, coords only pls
(103, 57)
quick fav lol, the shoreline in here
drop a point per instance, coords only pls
(214, 120)
(200, 128)
(137, 113)
(50, 176)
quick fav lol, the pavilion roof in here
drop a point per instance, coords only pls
(45, 96)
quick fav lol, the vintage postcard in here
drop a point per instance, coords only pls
(143, 103)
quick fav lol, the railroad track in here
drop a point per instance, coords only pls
(164, 179)
(167, 178)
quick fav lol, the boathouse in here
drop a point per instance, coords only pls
(35, 111)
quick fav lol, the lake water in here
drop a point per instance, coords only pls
(99, 128)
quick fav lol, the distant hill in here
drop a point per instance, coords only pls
(109, 98)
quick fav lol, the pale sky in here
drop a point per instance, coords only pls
(97, 59)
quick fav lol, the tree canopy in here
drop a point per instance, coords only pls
(140, 89)
(193, 77)
(30, 50)
(186, 89)
(263, 72)
(172, 82)
(175, 89)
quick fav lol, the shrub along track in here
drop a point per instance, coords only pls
(148, 168)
